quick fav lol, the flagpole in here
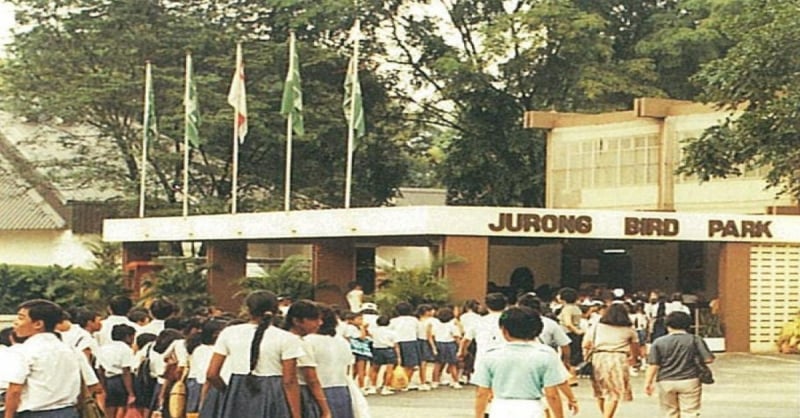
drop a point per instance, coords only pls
(145, 134)
(186, 137)
(351, 119)
(287, 197)
(237, 108)
(235, 179)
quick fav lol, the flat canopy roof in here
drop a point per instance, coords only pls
(459, 220)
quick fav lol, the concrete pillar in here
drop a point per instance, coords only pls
(469, 277)
(137, 265)
(734, 295)
(228, 261)
(333, 267)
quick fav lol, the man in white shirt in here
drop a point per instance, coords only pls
(118, 307)
(160, 310)
(48, 381)
(486, 333)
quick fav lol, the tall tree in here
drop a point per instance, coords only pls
(757, 81)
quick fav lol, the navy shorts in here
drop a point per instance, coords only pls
(409, 353)
(425, 351)
(116, 395)
(381, 356)
(447, 352)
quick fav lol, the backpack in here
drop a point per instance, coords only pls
(143, 382)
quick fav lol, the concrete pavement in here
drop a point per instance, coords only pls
(747, 386)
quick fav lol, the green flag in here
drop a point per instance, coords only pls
(149, 123)
(192, 107)
(353, 109)
(292, 103)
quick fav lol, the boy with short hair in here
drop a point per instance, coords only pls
(116, 361)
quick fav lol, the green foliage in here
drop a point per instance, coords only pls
(757, 81)
(416, 286)
(183, 282)
(290, 278)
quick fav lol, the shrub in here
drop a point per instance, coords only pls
(290, 278)
(416, 286)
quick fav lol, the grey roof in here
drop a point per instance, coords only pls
(23, 208)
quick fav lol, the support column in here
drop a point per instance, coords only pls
(228, 261)
(333, 267)
(137, 264)
(469, 277)
(734, 295)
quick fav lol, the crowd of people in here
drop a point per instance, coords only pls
(306, 359)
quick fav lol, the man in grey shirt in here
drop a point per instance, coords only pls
(673, 367)
(552, 333)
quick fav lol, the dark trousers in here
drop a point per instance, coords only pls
(575, 348)
(68, 412)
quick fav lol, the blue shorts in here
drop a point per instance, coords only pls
(447, 352)
(409, 353)
(642, 334)
(425, 351)
(381, 356)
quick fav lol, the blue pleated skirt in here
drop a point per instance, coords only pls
(268, 400)
(308, 404)
(212, 404)
(339, 401)
(193, 395)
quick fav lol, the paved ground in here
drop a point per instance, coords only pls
(748, 386)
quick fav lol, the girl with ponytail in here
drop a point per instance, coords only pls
(262, 360)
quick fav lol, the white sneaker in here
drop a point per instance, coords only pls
(456, 385)
(424, 387)
(412, 386)
(386, 391)
(634, 372)
(370, 391)
(434, 385)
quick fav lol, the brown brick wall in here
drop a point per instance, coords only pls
(334, 265)
(468, 277)
(734, 295)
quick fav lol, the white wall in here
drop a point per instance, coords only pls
(46, 248)
(543, 260)
(403, 257)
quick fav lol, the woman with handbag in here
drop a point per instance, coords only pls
(675, 363)
(614, 348)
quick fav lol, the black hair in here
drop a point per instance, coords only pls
(496, 301)
(261, 305)
(302, 309)
(162, 308)
(531, 301)
(165, 339)
(138, 314)
(210, 331)
(445, 315)
(521, 322)
(48, 312)
(122, 331)
(676, 297)
(678, 320)
(175, 322)
(329, 320)
(382, 321)
(352, 285)
(423, 308)
(472, 305)
(120, 305)
(349, 316)
(82, 316)
(568, 295)
(144, 339)
(5, 336)
(404, 308)
(616, 314)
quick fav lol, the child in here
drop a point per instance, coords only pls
(116, 361)
(356, 333)
(354, 296)
(639, 320)
(263, 362)
(405, 325)
(444, 332)
(385, 353)
(425, 346)
(518, 374)
(333, 356)
(199, 357)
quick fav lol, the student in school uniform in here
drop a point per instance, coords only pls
(161, 309)
(168, 359)
(118, 307)
(263, 362)
(486, 332)
(302, 319)
(48, 383)
(333, 356)
(116, 360)
(200, 353)
(444, 334)
(518, 375)
(385, 354)
(11, 361)
(426, 348)
(356, 333)
(405, 325)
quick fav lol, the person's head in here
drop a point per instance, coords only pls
(521, 323)
(471, 305)
(144, 339)
(353, 285)
(165, 339)
(120, 305)
(87, 319)
(678, 321)
(304, 317)
(531, 301)
(653, 297)
(6, 336)
(382, 321)
(139, 316)
(162, 308)
(616, 314)
(676, 297)
(425, 310)
(37, 316)
(354, 318)
(404, 309)
(369, 308)
(568, 295)
(445, 315)
(496, 301)
(65, 323)
(211, 330)
(123, 332)
(329, 320)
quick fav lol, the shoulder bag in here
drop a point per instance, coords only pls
(703, 371)
(585, 368)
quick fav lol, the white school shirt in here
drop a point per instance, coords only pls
(50, 374)
(104, 335)
(153, 327)
(78, 338)
(332, 355)
(12, 362)
(277, 345)
(305, 361)
(487, 336)
(158, 363)
(351, 331)
(422, 327)
(444, 332)
(553, 334)
(406, 327)
(469, 321)
(384, 337)
(199, 361)
(114, 357)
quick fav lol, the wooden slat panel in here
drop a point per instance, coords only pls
(774, 292)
